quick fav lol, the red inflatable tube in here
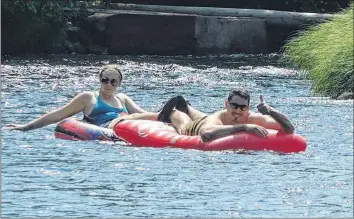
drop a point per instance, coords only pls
(73, 129)
(156, 134)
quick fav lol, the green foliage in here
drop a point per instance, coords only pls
(32, 25)
(325, 52)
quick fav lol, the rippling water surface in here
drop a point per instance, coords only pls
(47, 177)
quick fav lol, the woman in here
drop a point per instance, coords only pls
(99, 108)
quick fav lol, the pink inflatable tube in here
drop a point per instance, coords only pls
(146, 133)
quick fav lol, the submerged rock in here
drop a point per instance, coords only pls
(346, 96)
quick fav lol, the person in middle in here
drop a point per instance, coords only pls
(236, 117)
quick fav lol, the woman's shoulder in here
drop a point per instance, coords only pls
(122, 96)
(86, 95)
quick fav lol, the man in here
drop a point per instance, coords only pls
(236, 117)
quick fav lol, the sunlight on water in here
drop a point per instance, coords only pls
(47, 177)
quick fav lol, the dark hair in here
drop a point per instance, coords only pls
(239, 92)
(114, 67)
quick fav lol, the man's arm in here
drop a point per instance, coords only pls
(276, 117)
(213, 128)
(285, 123)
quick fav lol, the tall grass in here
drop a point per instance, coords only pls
(325, 52)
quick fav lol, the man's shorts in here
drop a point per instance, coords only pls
(193, 127)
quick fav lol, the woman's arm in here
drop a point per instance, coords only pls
(134, 116)
(131, 106)
(76, 105)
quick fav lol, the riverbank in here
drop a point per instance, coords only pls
(130, 29)
(325, 52)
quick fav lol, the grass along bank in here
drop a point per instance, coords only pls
(325, 53)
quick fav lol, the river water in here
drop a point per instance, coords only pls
(47, 177)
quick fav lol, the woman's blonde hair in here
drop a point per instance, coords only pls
(114, 67)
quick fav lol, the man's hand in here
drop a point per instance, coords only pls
(263, 107)
(258, 130)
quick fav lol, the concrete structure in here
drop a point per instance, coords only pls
(160, 34)
(190, 33)
(229, 35)
(173, 34)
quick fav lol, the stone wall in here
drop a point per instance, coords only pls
(166, 30)
(161, 34)
(227, 35)
(167, 34)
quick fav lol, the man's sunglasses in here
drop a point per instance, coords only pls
(235, 106)
(106, 80)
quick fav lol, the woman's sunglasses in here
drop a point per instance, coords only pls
(113, 82)
(235, 106)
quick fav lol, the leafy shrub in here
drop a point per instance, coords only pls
(325, 52)
(32, 25)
